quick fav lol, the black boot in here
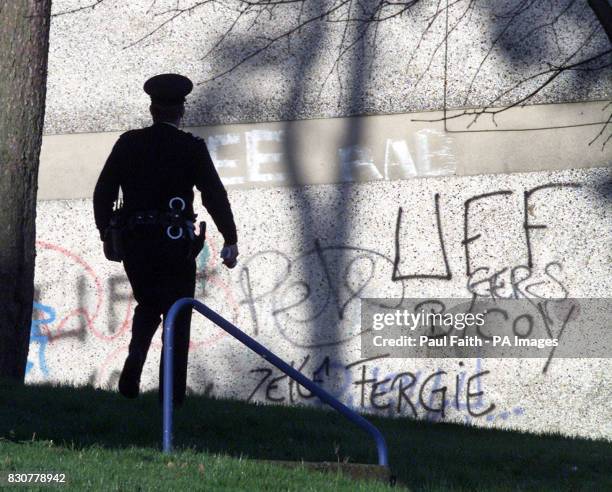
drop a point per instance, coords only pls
(129, 381)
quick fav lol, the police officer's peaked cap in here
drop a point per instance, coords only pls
(168, 88)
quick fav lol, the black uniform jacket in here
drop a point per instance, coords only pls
(153, 165)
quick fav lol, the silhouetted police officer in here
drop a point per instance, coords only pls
(156, 168)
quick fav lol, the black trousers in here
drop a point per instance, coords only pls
(160, 272)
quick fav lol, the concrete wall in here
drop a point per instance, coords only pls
(317, 202)
(97, 64)
(84, 306)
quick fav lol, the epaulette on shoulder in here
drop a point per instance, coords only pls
(129, 134)
(197, 138)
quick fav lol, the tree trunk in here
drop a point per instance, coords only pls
(24, 40)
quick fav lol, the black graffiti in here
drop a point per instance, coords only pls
(293, 387)
(81, 332)
(335, 292)
(522, 325)
(520, 281)
(403, 393)
(396, 274)
(547, 319)
(277, 258)
(469, 236)
(476, 394)
(526, 225)
(116, 296)
(467, 239)
(250, 301)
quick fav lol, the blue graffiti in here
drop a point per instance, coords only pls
(37, 336)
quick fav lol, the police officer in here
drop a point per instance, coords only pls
(156, 168)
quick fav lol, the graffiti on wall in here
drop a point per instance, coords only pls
(258, 157)
(322, 286)
(423, 393)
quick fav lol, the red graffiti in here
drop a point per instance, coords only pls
(82, 312)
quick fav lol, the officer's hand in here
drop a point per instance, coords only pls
(230, 255)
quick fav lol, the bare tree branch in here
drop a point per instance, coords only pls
(275, 40)
(603, 128)
(503, 32)
(359, 16)
(79, 9)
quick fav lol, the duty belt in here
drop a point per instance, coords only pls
(176, 223)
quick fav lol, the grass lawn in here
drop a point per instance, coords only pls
(103, 442)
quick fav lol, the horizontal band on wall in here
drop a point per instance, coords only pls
(362, 148)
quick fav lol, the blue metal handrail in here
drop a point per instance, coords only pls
(266, 354)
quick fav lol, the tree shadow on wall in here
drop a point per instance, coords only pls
(312, 272)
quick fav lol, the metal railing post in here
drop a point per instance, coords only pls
(168, 397)
(267, 355)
